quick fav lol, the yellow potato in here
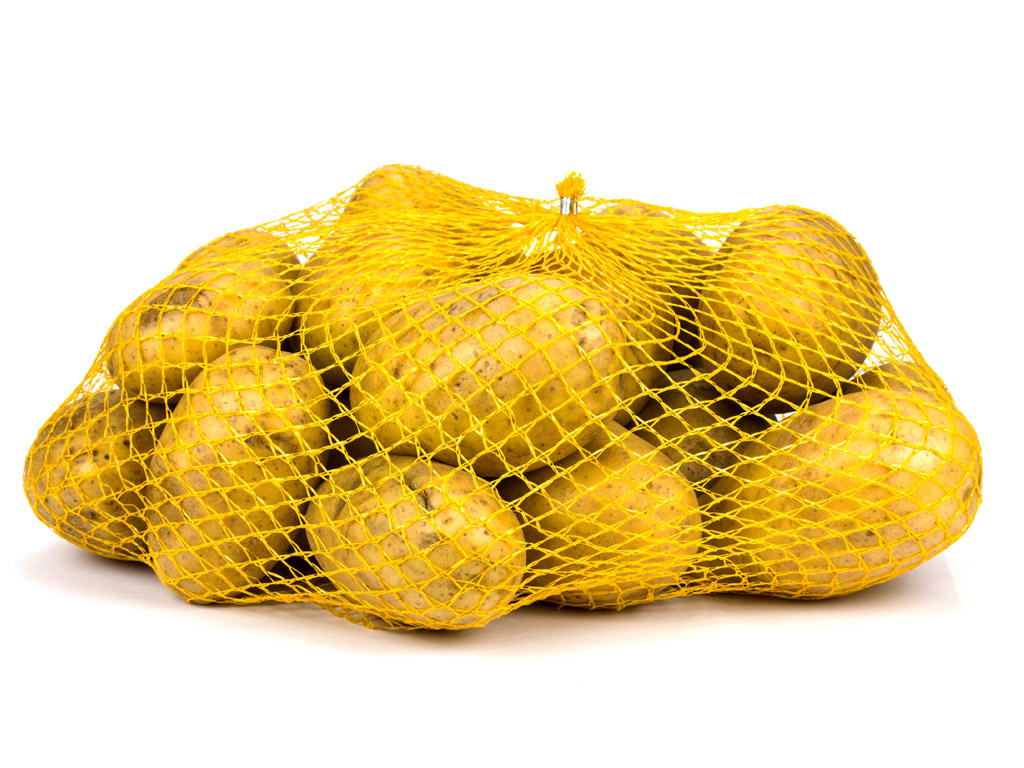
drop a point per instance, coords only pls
(666, 252)
(847, 494)
(84, 473)
(190, 318)
(695, 425)
(608, 527)
(255, 245)
(672, 247)
(406, 186)
(792, 310)
(244, 245)
(237, 456)
(351, 284)
(505, 374)
(363, 271)
(416, 542)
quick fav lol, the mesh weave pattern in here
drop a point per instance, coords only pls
(424, 404)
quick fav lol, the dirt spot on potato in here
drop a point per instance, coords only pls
(183, 296)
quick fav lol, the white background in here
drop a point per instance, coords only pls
(134, 132)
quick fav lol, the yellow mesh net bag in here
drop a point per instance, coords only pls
(422, 404)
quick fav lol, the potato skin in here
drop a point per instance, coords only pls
(462, 376)
(243, 246)
(684, 246)
(164, 337)
(617, 510)
(85, 472)
(363, 272)
(350, 287)
(417, 543)
(847, 494)
(407, 186)
(793, 309)
(695, 425)
(237, 456)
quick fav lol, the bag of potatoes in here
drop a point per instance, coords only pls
(422, 404)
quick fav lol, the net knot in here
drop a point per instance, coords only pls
(572, 186)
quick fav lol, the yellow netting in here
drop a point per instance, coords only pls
(424, 404)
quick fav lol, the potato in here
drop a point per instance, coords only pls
(696, 427)
(244, 245)
(847, 494)
(351, 284)
(608, 527)
(682, 247)
(84, 473)
(406, 186)
(163, 339)
(792, 310)
(417, 542)
(505, 374)
(362, 272)
(238, 455)
(667, 253)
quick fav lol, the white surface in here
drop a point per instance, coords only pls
(133, 133)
